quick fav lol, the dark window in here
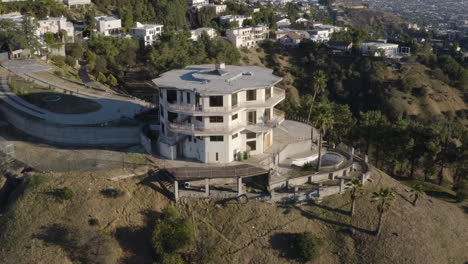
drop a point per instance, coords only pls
(251, 95)
(199, 138)
(251, 135)
(235, 135)
(216, 101)
(234, 99)
(252, 145)
(188, 98)
(162, 111)
(199, 118)
(171, 116)
(234, 116)
(251, 117)
(216, 119)
(216, 138)
(171, 96)
(217, 156)
(190, 138)
(163, 131)
(267, 93)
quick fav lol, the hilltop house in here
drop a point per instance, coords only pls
(108, 25)
(248, 36)
(212, 113)
(55, 25)
(223, 20)
(196, 33)
(288, 38)
(148, 33)
(372, 49)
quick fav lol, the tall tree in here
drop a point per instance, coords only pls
(356, 186)
(319, 83)
(383, 198)
(323, 117)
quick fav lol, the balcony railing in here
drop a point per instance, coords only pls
(185, 127)
(277, 96)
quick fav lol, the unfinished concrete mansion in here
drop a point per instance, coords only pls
(216, 113)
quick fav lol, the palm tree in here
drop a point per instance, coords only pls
(319, 83)
(417, 193)
(356, 186)
(323, 121)
(383, 197)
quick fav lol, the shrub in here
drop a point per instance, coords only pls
(65, 194)
(93, 222)
(246, 155)
(59, 61)
(172, 235)
(70, 61)
(309, 166)
(307, 246)
(58, 73)
(240, 156)
(101, 77)
(112, 193)
(112, 80)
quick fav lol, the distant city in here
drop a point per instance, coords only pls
(442, 15)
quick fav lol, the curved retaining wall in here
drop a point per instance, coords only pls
(79, 135)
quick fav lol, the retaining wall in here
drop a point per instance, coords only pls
(80, 135)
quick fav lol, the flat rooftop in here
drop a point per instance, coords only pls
(208, 80)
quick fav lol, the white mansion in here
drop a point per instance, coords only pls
(214, 113)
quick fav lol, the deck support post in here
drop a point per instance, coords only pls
(239, 186)
(176, 190)
(207, 187)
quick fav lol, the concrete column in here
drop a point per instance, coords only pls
(366, 159)
(342, 185)
(207, 187)
(352, 151)
(176, 190)
(239, 186)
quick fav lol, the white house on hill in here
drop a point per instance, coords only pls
(196, 33)
(108, 25)
(213, 113)
(148, 33)
(248, 36)
(55, 25)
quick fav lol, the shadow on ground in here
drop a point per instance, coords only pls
(136, 241)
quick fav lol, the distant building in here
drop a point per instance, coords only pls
(55, 25)
(339, 47)
(373, 49)
(217, 8)
(322, 33)
(108, 25)
(148, 33)
(196, 33)
(283, 23)
(223, 20)
(76, 2)
(290, 39)
(247, 37)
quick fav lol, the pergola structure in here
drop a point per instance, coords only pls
(208, 173)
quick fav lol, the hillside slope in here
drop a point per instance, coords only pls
(36, 226)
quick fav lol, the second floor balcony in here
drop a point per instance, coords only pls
(277, 96)
(199, 128)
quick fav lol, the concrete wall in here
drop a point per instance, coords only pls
(79, 135)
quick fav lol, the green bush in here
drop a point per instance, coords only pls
(93, 222)
(70, 61)
(58, 73)
(59, 61)
(172, 236)
(65, 194)
(112, 193)
(309, 166)
(101, 77)
(307, 246)
(246, 155)
(240, 156)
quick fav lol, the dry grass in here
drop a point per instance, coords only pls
(435, 231)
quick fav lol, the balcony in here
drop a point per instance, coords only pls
(217, 129)
(277, 96)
